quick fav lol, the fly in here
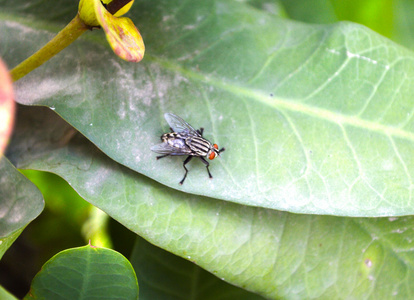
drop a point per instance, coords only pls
(185, 140)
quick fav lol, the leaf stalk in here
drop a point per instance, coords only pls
(63, 39)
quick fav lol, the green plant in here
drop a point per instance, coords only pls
(313, 196)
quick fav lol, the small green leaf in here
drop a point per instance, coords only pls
(85, 273)
(20, 200)
(7, 241)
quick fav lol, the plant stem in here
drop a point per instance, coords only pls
(63, 39)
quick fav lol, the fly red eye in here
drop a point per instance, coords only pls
(215, 146)
(212, 155)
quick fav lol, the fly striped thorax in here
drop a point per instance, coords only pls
(198, 145)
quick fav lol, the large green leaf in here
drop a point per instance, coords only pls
(276, 254)
(85, 273)
(20, 203)
(315, 119)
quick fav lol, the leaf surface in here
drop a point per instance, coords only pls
(275, 254)
(20, 203)
(85, 273)
(315, 119)
(162, 275)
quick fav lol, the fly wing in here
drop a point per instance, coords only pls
(165, 148)
(179, 125)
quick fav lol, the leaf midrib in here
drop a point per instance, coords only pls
(285, 104)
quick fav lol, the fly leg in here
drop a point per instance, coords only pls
(200, 131)
(207, 165)
(161, 156)
(186, 170)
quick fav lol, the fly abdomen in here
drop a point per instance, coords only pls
(198, 145)
(174, 140)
